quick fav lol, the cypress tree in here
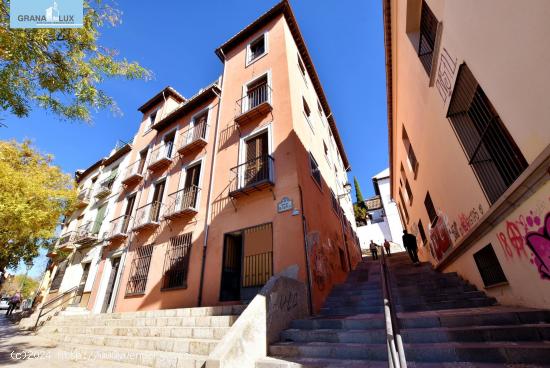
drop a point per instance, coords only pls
(358, 195)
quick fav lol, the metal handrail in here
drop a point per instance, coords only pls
(254, 98)
(119, 225)
(50, 302)
(148, 214)
(183, 199)
(66, 238)
(163, 151)
(133, 169)
(251, 172)
(396, 352)
(192, 134)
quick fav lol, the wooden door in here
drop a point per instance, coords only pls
(157, 200)
(256, 168)
(191, 186)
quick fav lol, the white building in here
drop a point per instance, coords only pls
(384, 221)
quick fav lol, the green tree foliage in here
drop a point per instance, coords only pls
(60, 69)
(358, 195)
(360, 213)
(26, 285)
(34, 194)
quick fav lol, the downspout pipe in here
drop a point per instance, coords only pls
(209, 196)
(308, 270)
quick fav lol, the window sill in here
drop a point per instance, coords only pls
(317, 183)
(250, 62)
(499, 284)
(183, 287)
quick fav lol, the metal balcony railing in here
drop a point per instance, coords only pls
(182, 202)
(134, 172)
(254, 174)
(161, 155)
(256, 101)
(147, 216)
(105, 187)
(87, 233)
(83, 197)
(192, 137)
(118, 228)
(66, 239)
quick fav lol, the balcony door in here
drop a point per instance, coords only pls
(157, 200)
(99, 219)
(130, 201)
(169, 143)
(192, 176)
(256, 167)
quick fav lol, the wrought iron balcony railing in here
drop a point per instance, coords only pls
(134, 172)
(66, 239)
(255, 174)
(182, 202)
(118, 228)
(105, 187)
(255, 103)
(192, 137)
(147, 216)
(87, 233)
(161, 156)
(83, 197)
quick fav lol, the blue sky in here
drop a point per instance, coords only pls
(176, 40)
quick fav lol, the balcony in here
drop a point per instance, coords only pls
(255, 104)
(161, 157)
(87, 234)
(147, 217)
(253, 175)
(83, 198)
(193, 138)
(134, 173)
(105, 188)
(182, 203)
(66, 240)
(119, 228)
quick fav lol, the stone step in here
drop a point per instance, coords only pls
(358, 291)
(440, 297)
(354, 298)
(358, 285)
(526, 332)
(354, 323)
(372, 302)
(210, 321)
(148, 358)
(282, 362)
(370, 336)
(447, 304)
(347, 311)
(489, 316)
(188, 332)
(376, 352)
(175, 345)
(416, 290)
(488, 352)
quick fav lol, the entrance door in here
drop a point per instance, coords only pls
(80, 292)
(115, 262)
(191, 186)
(256, 168)
(231, 267)
(157, 200)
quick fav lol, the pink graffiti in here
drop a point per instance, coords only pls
(539, 243)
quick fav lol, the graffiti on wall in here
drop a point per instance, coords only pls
(440, 239)
(319, 255)
(465, 222)
(445, 73)
(527, 237)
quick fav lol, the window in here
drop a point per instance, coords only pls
(325, 149)
(140, 270)
(432, 214)
(489, 267)
(307, 112)
(408, 190)
(491, 152)
(176, 262)
(152, 118)
(334, 201)
(406, 219)
(257, 92)
(256, 48)
(315, 172)
(320, 109)
(56, 282)
(411, 157)
(426, 42)
(422, 233)
(302, 67)
(142, 159)
(403, 207)
(169, 143)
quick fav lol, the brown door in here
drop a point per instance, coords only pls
(157, 200)
(128, 213)
(110, 284)
(82, 284)
(256, 168)
(142, 158)
(191, 186)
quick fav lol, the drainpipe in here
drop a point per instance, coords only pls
(210, 189)
(308, 270)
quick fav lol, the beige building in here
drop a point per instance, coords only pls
(469, 136)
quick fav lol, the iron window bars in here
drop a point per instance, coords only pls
(491, 151)
(315, 172)
(255, 96)
(426, 42)
(176, 262)
(258, 268)
(182, 200)
(489, 268)
(140, 270)
(253, 172)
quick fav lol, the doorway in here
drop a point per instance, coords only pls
(82, 284)
(115, 262)
(231, 267)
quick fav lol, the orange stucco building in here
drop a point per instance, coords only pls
(469, 139)
(224, 189)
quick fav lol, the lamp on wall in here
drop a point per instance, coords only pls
(347, 191)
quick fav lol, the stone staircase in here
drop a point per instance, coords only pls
(348, 332)
(447, 321)
(162, 338)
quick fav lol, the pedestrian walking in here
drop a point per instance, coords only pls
(14, 303)
(409, 241)
(387, 247)
(373, 250)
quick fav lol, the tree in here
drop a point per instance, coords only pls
(361, 214)
(34, 194)
(26, 285)
(60, 69)
(358, 195)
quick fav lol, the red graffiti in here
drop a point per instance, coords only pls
(504, 244)
(516, 239)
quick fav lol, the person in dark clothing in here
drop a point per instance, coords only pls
(373, 250)
(409, 242)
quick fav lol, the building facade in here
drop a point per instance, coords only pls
(469, 139)
(384, 222)
(222, 190)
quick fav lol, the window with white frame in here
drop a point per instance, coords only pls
(302, 67)
(307, 112)
(315, 172)
(152, 118)
(256, 48)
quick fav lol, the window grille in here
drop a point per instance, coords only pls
(489, 267)
(492, 153)
(403, 206)
(315, 172)
(176, 262)
(140, 270)
(432, 213)
(422, 233)
(428, 31)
